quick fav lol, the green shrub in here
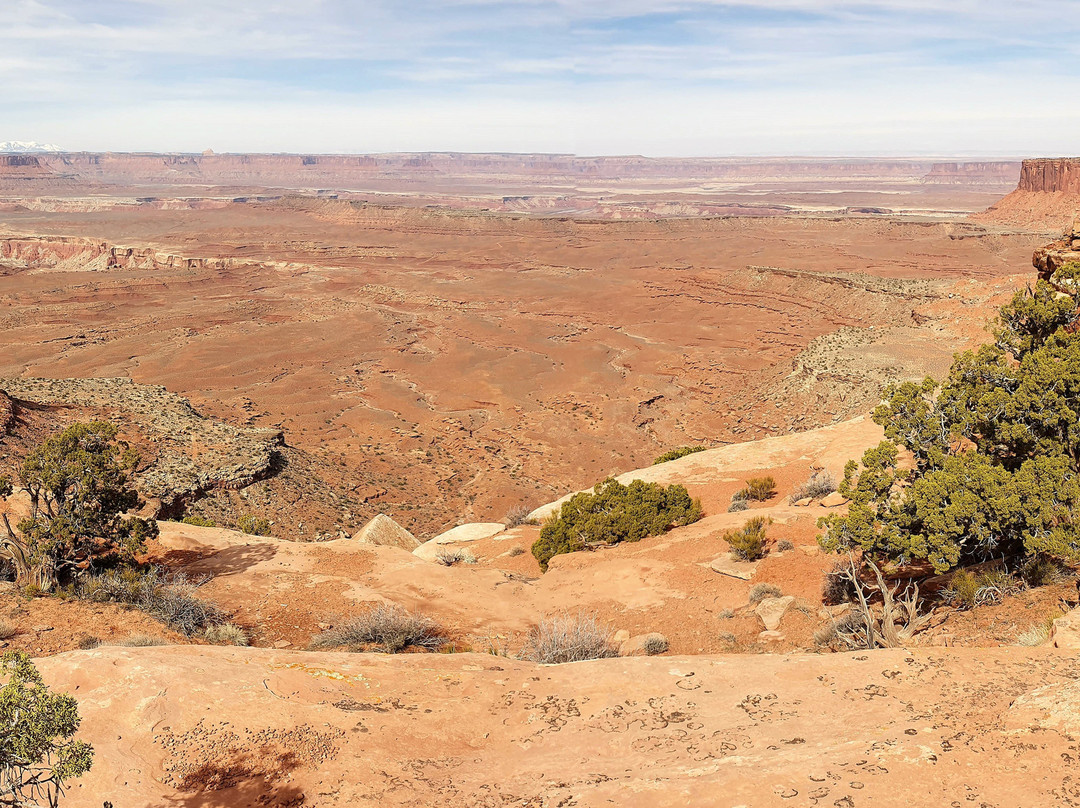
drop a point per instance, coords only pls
(760, 489)
(963, 590)
(198, 521)
(675, 454)
(967, 590)
(252, 525)
(37, 750)
(614, 513)
(749, 542)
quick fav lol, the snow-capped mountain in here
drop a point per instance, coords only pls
(26, 147)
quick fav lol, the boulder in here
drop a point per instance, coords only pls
(729, 565)
(644, 645)
(385, 532)
(471, 532)
(1066, 630)
(833, 500)
(772, 610)
(802, 503)
(620, 636)
(1053, 707)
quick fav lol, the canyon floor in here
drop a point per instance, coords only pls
(398, 349)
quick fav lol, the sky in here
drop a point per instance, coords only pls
(659, 77)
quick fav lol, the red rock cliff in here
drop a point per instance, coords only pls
(1051, 176)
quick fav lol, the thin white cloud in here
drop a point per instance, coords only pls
(652, 76)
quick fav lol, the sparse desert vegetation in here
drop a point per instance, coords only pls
(386, 628)
(820, 484)
(569, 638)
(675, 454)
(450, 556)
(169, 597)
(748, 543)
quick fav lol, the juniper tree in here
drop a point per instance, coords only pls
(79, 488)
(37, 751)
(995, 448)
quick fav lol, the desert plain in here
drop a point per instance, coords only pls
(446, 340)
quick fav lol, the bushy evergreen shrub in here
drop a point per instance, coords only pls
(614, 513)
(675, 454)
(748, 543)
(996, 449)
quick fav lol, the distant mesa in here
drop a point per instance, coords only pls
(1047, 197)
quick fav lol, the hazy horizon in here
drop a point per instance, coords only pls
(667, 78)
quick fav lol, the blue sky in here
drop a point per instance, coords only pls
(666, 77)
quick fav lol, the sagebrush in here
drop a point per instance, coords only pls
(385, 627)
(569, 638)
(169, 597)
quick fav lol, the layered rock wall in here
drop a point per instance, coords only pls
(1051, 176)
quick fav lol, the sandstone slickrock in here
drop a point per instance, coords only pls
(1066, 630)
(470, 532)
(733, 567)
(644, 645)
(833, 500)
(772, 610)
(384, 531)
(462, 534)
(263, 727)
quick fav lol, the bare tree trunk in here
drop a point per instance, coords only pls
(41, 575)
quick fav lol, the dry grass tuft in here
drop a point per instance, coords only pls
(758, 592)
(569, 638)
(386, 627)
(226, 634)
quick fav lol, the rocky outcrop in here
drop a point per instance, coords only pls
(59, 253)
(385, 532)
(194, 454)
(1047, 197)
(1052, 257)
(1050, 176)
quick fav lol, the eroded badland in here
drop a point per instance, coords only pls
(443, 339)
